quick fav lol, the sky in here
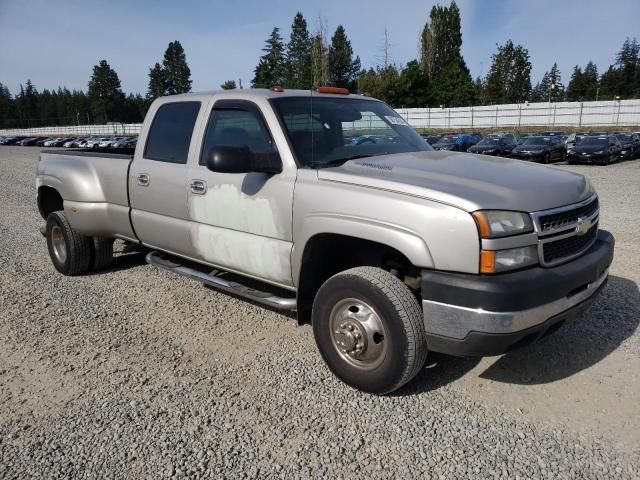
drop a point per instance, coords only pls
(57, 42)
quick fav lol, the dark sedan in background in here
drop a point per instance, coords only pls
(628, 146)
(601, 149)
(540, 149)
(496, 145)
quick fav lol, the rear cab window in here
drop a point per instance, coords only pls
(170, 133)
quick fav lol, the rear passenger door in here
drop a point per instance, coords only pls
(158, 178)
(242, 221)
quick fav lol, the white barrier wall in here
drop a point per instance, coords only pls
(611, 113)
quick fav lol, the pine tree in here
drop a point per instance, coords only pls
(229, 85)
(157, 82)
(576, 90)
(590, 79)
(177, 75)
(270, 69)
(7, 108)
(298, 57)
(343, 67)
(27, 105)
(550, 87)
(412, 87)
(509, 78)
(105, 93)
(319, 60)
(441, 57)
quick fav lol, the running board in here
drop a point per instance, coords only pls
(265, 298)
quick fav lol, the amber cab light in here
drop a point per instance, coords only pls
(277, 89)
(339, 91)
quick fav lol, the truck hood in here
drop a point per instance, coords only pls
(470, 182)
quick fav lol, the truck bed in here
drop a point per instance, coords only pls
(94, 186)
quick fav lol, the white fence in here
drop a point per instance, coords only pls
(612, 113)
(616, 113)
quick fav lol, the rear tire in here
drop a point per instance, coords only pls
(102, 253)
(369, 328)
(70, 252)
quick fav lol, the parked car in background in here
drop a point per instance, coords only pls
(603, 150)
(540, 149)
(628, 146)
(555, 133)
(499, 145)
(574, 138)
(126, 142)
(51, 142)
(458, 143)
(431, 139)
(70, 142)
(522, 136)
(29, 142)
(9, 140)
(94, 142)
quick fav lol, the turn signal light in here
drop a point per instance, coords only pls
(487, 261)
(339, 91)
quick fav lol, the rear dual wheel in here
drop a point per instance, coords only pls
(369, 328)
(72, 253)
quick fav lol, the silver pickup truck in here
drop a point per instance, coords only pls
(330, 204)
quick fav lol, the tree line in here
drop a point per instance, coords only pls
(439, 76)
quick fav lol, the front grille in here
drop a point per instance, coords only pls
(553, 251)
(557, 220)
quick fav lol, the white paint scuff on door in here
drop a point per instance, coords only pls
(232, 229)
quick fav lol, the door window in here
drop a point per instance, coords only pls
(236, 123)
(170, 133)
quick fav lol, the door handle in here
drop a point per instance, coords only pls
(143, 180)
(198, 187)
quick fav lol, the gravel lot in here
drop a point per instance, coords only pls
(138, 373)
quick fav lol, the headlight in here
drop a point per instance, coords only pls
(502, 260)
(498, 223)
(492, 150)
(599, 152)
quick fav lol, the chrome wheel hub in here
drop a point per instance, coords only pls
(357, 333)
(58, 244)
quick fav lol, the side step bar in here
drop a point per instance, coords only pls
(265, 298)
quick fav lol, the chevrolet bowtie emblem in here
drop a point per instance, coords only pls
(583, 226)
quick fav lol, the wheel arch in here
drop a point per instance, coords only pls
(327, 253)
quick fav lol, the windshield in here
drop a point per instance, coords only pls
(537, 141)
(624, 138)
(327, 131)
(593, 141)
(489, 141)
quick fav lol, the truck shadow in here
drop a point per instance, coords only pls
(577, 345)
(126, 256)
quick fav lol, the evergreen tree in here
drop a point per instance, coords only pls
(413, 88)
(105, 93)
(343, 67)
(590, 80)
(27, 105)
(298, 57)
(229, 85)
(7, 108)
(177, 75)
(441, 57)
(509, 78)
(623, 78)
(577, 86)
(270, 69)
(157, 82)
(550, 88)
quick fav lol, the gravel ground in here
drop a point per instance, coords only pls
(138, 373)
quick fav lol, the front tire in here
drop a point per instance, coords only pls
(70, 252)
(369, 328)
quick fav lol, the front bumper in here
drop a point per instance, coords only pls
(532, 157)
(480, 315)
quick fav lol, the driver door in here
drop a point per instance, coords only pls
(241, 222)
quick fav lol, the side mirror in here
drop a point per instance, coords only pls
(240, 159)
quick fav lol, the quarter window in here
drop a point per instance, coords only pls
(170, 133)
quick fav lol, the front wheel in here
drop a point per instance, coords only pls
(369, 328)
